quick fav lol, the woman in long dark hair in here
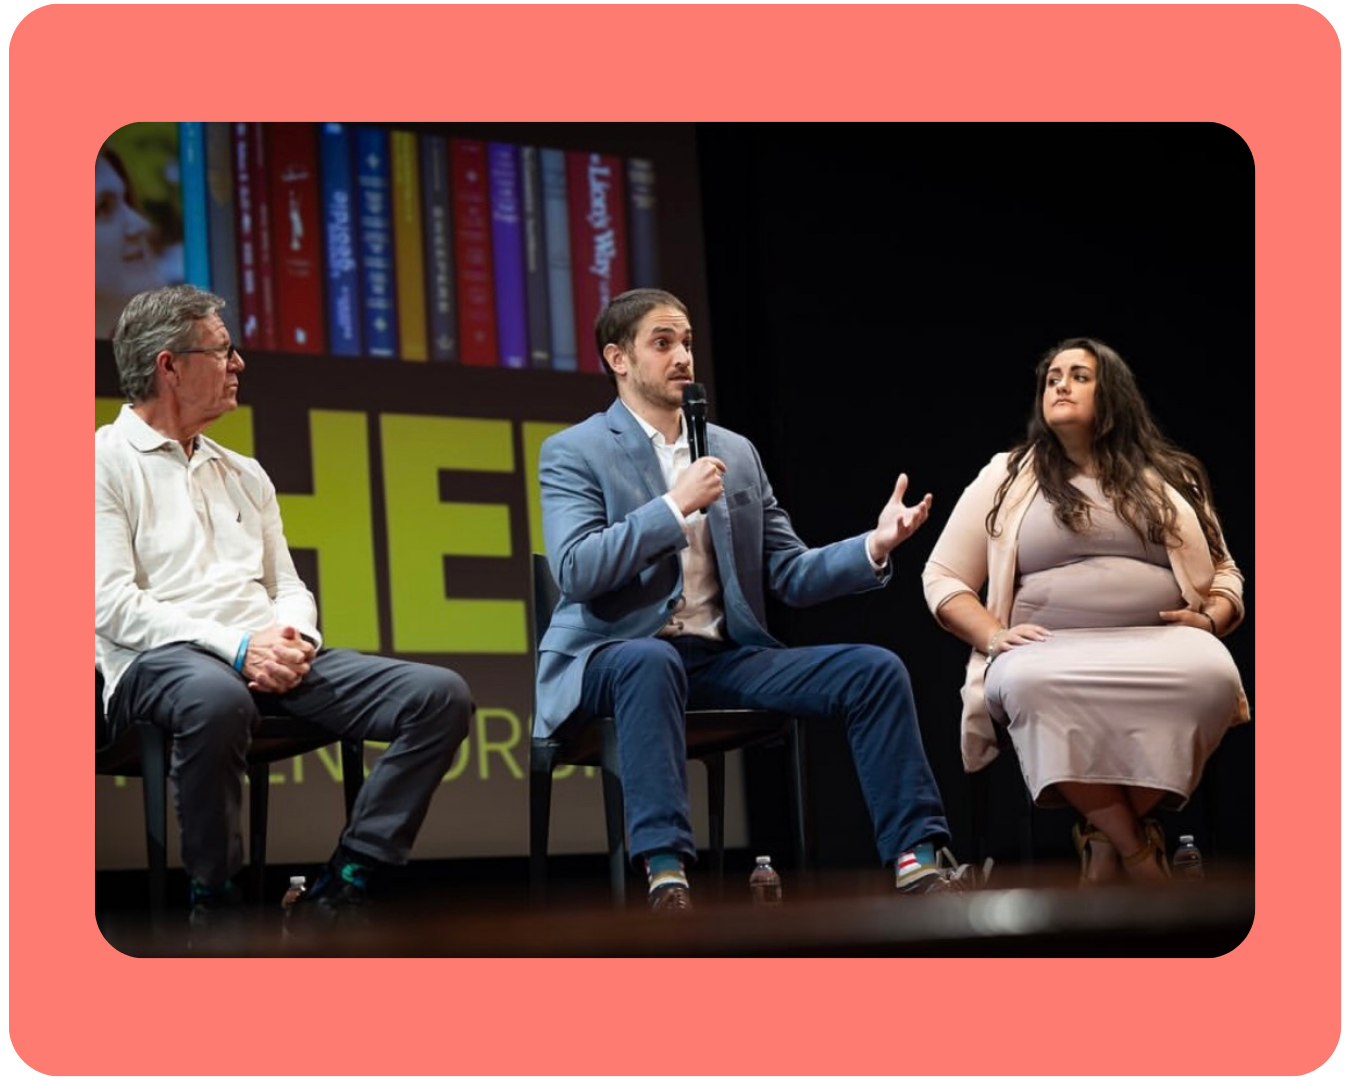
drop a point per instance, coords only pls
(1109, 585)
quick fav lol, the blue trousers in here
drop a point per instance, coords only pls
(647, 684)
(421, 711)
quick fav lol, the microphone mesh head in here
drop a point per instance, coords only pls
(694, 393)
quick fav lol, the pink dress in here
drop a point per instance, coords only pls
(1116, 696)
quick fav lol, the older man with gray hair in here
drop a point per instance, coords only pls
(200, 618)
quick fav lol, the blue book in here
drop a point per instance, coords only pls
(375, 229)
(438, 247)
(341, 250)
(508, 255)
(536, 268)
(558, 259)
(192, 184)
(644, 266)
(220, 224)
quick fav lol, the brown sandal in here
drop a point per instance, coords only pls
(1155, 847)
(1083, 836)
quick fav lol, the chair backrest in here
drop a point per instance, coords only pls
(101, 738)
(544, 593)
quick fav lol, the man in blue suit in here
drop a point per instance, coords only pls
(663, 606)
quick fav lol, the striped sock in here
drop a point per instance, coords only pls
(664, 868)
(916, 871)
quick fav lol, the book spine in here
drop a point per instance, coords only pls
(408, 268)
(220, 225)
(438, 249)
(536, 268)
(376, 230)
(294, 166)
(508, 255)
(558, 258)
(263, 235)
(342, 265)
(192, 180)
(246, 221)
(473, 252)
(642, 249)
(599, 241)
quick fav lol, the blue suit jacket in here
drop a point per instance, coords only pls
(614, 547)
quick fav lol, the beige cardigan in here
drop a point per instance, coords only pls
(966, 557)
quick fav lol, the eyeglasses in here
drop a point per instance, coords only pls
(223, 353)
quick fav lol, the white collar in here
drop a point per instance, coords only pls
(653, 435)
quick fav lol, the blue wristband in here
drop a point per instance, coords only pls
(243, 651)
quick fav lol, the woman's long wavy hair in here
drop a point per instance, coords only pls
(1126, 447)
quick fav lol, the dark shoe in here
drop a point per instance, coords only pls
(931, 882)
(962, 876)
(946, 875)
(671, 899)
(218, 923)
(342, 905)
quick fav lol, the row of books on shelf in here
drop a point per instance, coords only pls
(359, 240)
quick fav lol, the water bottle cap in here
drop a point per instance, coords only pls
(1188, 839)
(761, 860)
(298, 879)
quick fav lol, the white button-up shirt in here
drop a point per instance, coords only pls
(699, 611)
(185, 549)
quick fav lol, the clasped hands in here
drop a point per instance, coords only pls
(277, 659)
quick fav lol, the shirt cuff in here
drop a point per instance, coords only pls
(877, 569)
(669, 501)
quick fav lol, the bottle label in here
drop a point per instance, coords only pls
(767, 893)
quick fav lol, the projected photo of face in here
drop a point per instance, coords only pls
(137, 243)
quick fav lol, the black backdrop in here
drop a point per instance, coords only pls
(879, 296)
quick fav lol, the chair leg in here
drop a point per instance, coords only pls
(1028, 827)
(1210, 810)
(797, 785)
(977, 796)
(353, 772)
(716, 764)
(542, 755)
(614, 823)
(259, 777)
(154, 784)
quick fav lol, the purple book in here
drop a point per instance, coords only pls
(508, 255)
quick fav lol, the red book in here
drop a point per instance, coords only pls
(599, 237)
(262, 236)
(473, 252)
(247, 226)
(293, 169)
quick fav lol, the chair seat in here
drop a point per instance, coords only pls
(142, 749)
(707, 731)
(709, 735)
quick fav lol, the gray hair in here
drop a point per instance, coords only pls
(152, 322)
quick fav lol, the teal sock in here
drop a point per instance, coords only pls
(354, 873)
(345, 867)
(664, 868)
(201, 893)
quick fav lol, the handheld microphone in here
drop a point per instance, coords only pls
(696, 419)
(696, 422)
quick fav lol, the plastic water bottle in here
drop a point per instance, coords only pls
(289, 900)
(1187, 864)
(766, 887)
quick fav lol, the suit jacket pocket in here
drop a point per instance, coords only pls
(739, 498)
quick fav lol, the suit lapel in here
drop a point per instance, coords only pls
(635, 445)
(719, 525)
(742, 624)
